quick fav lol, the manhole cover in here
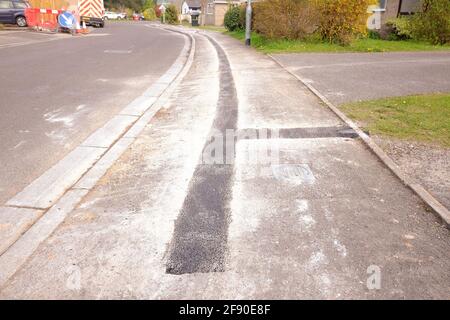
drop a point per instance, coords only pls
(293, 173)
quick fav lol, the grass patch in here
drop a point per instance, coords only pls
(315, 45)
(423, 118)
(208, 28)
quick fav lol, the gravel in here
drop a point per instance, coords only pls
(428, 164)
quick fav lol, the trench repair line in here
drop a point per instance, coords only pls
(199, 242)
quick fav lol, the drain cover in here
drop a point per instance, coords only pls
(293, 173)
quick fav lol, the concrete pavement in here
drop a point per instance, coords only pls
(315, 221)
(347, 77)
(57, 89)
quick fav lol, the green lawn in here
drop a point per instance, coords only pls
(423, 118)
(360, 45)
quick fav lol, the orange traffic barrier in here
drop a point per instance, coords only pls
(42, 19)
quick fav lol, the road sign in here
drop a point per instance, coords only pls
(67, 20)
(162, 8)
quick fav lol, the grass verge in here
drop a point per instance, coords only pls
(424, 118)
(314, 45)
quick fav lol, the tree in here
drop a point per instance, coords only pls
(433, 22)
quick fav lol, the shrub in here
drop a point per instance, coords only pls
(242, 11)
(171, 14)
(373, 34)
(340, 21)
(288, 19)
(148, 4)
(149, 14)
(232, 19)
(399, 28)
(433, 22)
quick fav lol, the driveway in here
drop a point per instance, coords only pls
(348, 77)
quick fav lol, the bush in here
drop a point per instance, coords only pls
(433, 22)
(148, 4)
(149, 14)
(171, 14)
(288, 19)
(373, 34)
(399, 28)
(232, 20)
(340, 21)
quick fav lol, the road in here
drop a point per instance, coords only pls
(347, 77)
(308, 214)
(57, 89)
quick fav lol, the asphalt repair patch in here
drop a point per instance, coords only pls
(199, 242)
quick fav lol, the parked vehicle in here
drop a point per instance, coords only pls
(13, 12)
(91, 12)
(122, 15)
(110, 15)
(138, 17)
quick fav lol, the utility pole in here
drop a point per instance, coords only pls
(248, 23)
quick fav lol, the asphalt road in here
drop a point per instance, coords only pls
(57, 89)
(351, 77)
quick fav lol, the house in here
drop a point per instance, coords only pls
(177, 3)
(190, 6)
(215, 10)
(391, 9)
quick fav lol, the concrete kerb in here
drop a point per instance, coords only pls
(44, 215)
(438, 208)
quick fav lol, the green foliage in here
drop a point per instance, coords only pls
(286, 19)
(399, 28)
(171, 14)
(134, 5)
(373, 34)
(341, 21)
(433, 22)
(233, 18)
(149, 4)
(149, 14)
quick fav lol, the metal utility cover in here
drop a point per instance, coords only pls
(293, 173)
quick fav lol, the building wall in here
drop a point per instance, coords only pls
(219, 13)
(391, 11)
(217, 8)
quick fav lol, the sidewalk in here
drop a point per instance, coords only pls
(307, 227)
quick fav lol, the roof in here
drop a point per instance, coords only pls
(194, 3)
